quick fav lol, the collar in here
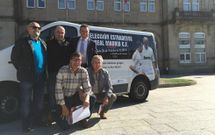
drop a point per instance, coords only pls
(86, 39)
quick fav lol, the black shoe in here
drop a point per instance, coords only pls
(84, 123)
(41, 124)
(27, 130)
(102, 116)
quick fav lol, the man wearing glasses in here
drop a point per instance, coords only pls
(29, 58)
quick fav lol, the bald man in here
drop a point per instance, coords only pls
(58, 50)
(29, 58)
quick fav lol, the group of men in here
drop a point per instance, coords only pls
(73, 71)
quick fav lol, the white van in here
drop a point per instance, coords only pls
(115, 45)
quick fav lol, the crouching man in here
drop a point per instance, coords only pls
(101, 85)
(72, 89)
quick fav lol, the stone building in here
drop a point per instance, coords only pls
(184, 29)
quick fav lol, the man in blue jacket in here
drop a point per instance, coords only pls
(29, 58)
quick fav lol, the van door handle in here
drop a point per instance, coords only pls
(10, 62)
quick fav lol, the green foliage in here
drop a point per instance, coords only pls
(174, 82)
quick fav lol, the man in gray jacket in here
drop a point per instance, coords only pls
(101, 85)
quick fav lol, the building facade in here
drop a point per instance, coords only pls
(184, 29)
(7, 23)
(191, 35)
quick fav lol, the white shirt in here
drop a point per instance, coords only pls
(143, 62)
(85, 43)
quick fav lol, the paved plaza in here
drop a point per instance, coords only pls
(188, 110)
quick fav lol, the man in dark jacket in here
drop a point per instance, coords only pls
(58, 53)
(29, 58)
(85, 46)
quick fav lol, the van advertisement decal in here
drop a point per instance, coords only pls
(120, 45)
(112, 45)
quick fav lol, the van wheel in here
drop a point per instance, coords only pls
(9, 101)
(139, 91)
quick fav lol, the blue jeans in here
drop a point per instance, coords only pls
(32, 100)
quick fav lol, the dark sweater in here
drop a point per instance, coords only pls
(57, 55)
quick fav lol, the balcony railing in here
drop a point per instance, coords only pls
(194, 15)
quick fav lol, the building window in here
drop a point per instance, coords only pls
(147, 6)
(191, 5)
(61, 4)
(200, 53)
(90, 5)
(71, 4)
(117, 5)
(41, 3)
(143, 6)
(36, 3)
(126, 5)
(195, 5)
(151, 5)
(100, 5)
(30, 3)
(184, 47)
(186, 5)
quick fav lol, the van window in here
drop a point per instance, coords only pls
(49, 33)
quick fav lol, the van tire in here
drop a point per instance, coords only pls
(139, 91)
(9, 101)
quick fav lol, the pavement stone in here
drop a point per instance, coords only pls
(188, 110)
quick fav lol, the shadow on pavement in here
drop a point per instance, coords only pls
(124, 101)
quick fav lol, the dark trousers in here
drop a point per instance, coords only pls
(32, 100)
(51, 90)
(70, 102)
(100, 97)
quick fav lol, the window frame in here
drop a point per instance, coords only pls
(200, 57)
(100, 2)
(27, 4)
(65, 4)
(151, 6)
(195, 3)
(185, 60)
(40, 6)
(116, 4)
(93, 6)
(200, 36)
(183, 47)
(128, 3)
(187, 4)
(143, 3)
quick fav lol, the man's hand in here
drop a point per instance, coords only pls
(105, 101)
(65, 112)
(86, 104)
(86, 101)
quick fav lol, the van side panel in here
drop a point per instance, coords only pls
(117, 48)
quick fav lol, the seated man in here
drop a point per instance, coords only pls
(101, 85)
(72, 89)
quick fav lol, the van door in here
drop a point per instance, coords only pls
(113, 46)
